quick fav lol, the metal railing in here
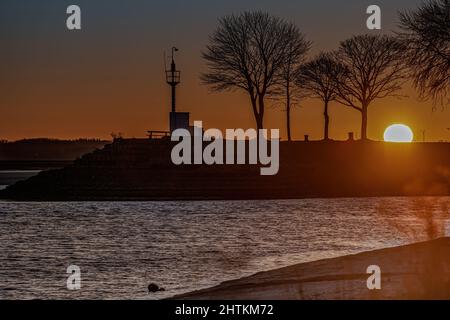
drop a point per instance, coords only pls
(154, 134)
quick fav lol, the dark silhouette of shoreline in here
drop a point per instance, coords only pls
(141, 169)
(44, 153)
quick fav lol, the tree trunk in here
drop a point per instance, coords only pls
(255, 111)
(288, 112)
(258, 110)
(260, 116)
(327, 121)
(259, 122)
(364, 122)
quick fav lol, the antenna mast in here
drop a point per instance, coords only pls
(173, 77)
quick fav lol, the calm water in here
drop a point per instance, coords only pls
(123, 246)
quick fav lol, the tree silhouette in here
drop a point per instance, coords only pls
(374, 71)
(297, 48)
(319, 79)
(426, 34)
(247, 52)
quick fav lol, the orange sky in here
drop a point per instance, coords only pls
(109, 76)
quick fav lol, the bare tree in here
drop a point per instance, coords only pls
(297, 47)
(319, 79)
(375, 71)
(426, 34)
(247, 52)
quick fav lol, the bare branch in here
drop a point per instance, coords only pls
(374, 71)
(320, 78)
(248, 52)
(426, 35)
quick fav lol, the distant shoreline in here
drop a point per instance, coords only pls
(33, 164)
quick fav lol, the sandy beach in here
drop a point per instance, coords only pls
(416, 271)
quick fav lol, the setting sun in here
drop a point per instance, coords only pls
(398, 133)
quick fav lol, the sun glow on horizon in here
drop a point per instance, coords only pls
(398, 133)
